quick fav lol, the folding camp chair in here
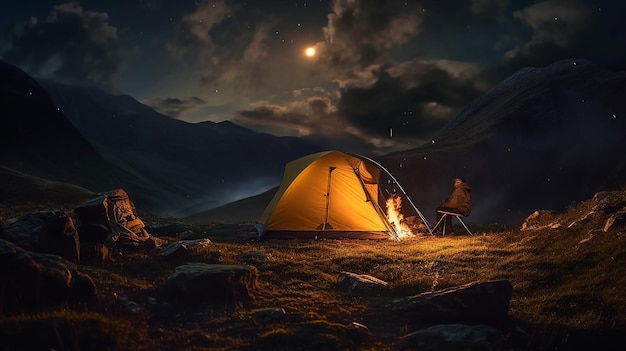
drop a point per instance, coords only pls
(443, 217)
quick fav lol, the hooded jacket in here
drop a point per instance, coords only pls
(460, 199)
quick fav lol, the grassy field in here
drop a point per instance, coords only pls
(567, 291)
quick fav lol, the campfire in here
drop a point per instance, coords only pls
(405, 227)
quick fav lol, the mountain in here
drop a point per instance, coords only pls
(541, 139)
(99, 141)
(36, 138)
(193, 166)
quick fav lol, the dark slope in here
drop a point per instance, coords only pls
(541, 139)
(21, 192)
(197, 166)
(244, 210)
(37, 138)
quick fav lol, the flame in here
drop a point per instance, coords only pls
(396, 218)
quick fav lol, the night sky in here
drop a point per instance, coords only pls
(388, 72)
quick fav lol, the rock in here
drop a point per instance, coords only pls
(183, 248)
(475, 303)
(153, 243)
(94, 232)
(114, 210)
(224, 284)
(538, 219)
(93, 253)
(415, 224)
(111, 218)
(615, 221)
(358, 332)
(50, 232)
(31, 282)
(456, 337)
(129, 305)
(361, 283)
(174, 250)
(187, 235)
(604, 196)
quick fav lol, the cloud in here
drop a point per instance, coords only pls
(313, 112)
(402, 105)
(245, 71)
(236, 49)
(453, 15)
(358, 32)
(571, 29)
(412, 100)
(489, 11)
(71, 45)
(175, 107)
(196, 31)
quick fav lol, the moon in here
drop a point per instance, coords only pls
(309, 52)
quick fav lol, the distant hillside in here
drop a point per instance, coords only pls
(22, 191)
(193, 166)
(248, 209)
(36, 138)
(84, 136)
(541, 139)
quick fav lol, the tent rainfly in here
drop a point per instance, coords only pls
(328, 194)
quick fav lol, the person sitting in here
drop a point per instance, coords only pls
(459, 202)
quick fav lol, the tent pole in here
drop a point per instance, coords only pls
(402, 190)
(377, 208)
(330, 171)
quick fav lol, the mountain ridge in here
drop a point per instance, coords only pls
(542, 138)
(84, 136)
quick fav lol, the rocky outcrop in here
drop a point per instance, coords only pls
(108, 222)
(31, 282)
(51, 232)
(605, 211)
(114, 211)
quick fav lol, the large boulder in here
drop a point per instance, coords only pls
(452, 337)
(474, 303)
(115, 210)
(217, 283)
(110, 218)
(50, 232)
(31, 282)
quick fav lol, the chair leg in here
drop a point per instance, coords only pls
(463, 223)
(441, 220)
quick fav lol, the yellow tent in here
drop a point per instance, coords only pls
(329, 194)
